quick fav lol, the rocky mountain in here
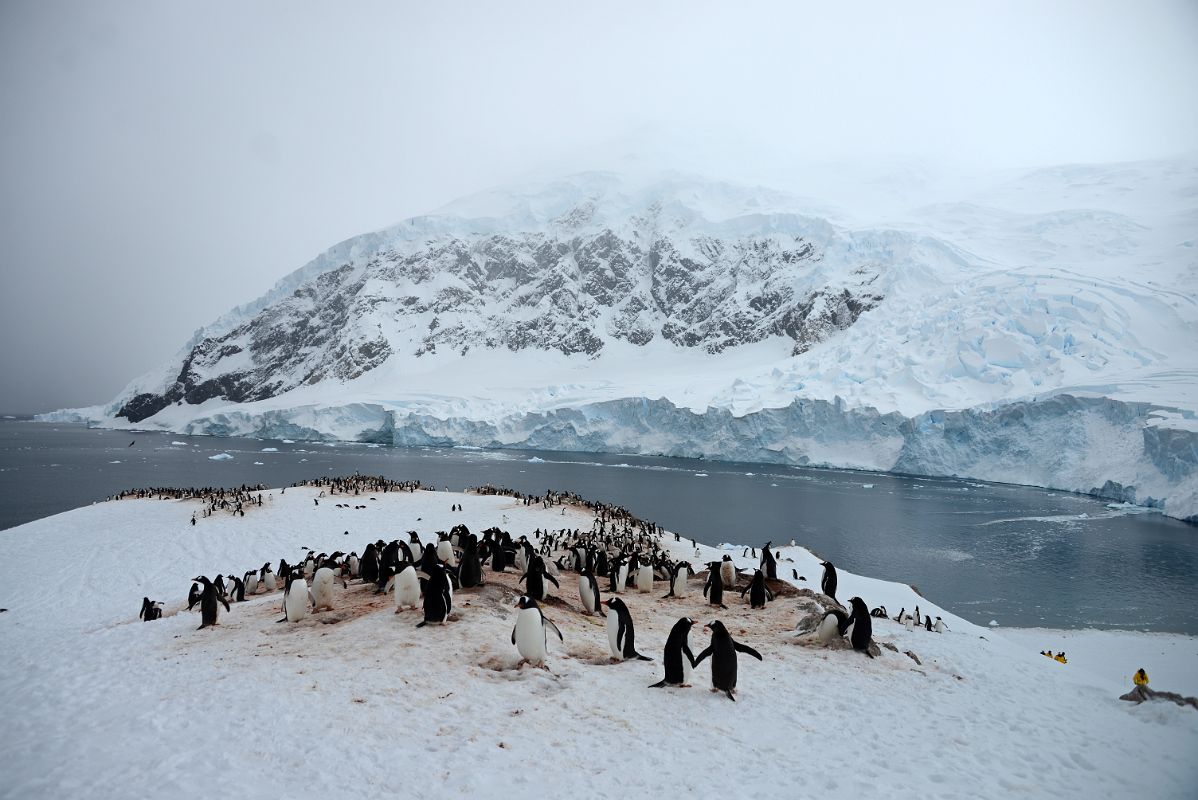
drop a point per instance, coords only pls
(600, 264)
(1038, 329)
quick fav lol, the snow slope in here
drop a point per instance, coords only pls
(111, 707)
(510, 307)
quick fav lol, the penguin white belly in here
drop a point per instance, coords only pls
(584, 592)
(613, 630)
(551, 569)
(939, 626)
(251, 585)
(322, 589)
(445, 552)
(687, 669)
(622, 579)
(728, 574)
(407, 588)
(828, 630)
(521, 563)
(296, 602)
(679, 584)
(644, 579)
(309, 568)
(530, 636)
(910, 622)
(271, 585)
(353, 566)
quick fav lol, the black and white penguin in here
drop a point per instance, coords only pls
(209, 598)
(828, 584)
(620, 634)
(927, 623)
(267, 578)
(238, 592)
(535, 579)
(861, 629)
(723, 658)
(713, 590)
(728, 572)
(678, 574)
(768, 564)
(322, 589)
(758, 591)
(879, 613)
(150, 610)
(193, 596)
(588, 592)
(250, 579)
(918, 619)
(296, 597)
(368, 565)
(832, 626)
(939, 627)
(438, 595)
(644, 576)
(678, 659)
(470, 568)
(530, 633)
(406, 586)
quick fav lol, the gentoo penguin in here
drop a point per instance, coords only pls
(828, 584)
(723, 658)
(438, 595)
(879, 613)
(713, 590)
(445, 553)
(768, 564)
(758, 591)
(909, 622)
(644, 577)
(678, 658)
(621, 637)
(251, 581)
(939, 627)
(368, 565)
(150, 610)
(267, 578)
(208, 602)
(322, 589)
(407, 588)
(535, 579)
(295, 597)
(470, 569)
(861, 629)
(901, 618)
(588, 592)
(619, 574)
(728, 572)
(353, 563)
(918, 620)
(193, 596)
(529, 633)
(678, 574)
(927, 623)
(832, 626)
(238, 591)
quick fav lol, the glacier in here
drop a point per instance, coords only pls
(1038, 330)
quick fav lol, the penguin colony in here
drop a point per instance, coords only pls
(619, 554)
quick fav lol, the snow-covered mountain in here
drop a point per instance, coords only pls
(1038, 329)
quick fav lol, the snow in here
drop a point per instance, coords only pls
(1073, 281)
(110, 706)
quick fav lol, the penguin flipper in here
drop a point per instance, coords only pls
(729, 693)
(642, 658)
(658, 685)
(513, 634)
(702, 656)
(277, 621)
(744, 648)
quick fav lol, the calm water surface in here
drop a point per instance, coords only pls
(1021, 556)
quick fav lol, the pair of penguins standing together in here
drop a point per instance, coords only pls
(531, 632)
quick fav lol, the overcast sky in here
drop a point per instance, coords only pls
(161, 162)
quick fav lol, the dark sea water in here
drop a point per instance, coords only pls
(1021, 556)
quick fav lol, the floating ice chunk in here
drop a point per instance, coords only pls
(993, 623)
(257, 463)
(270, 449)
(700, 474)
(220, 457)
(179, 444)
(535, 460)
(114, 462)
(287, 441)
(867, 486)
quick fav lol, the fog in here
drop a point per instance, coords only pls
(163, 162)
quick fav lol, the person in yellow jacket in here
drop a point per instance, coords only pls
(1061, 657)
(1140, 678)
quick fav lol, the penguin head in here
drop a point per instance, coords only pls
(716, 627)
(526, 602)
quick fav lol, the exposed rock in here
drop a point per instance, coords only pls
(1141, 693)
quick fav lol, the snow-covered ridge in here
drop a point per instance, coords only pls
(723, 307)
